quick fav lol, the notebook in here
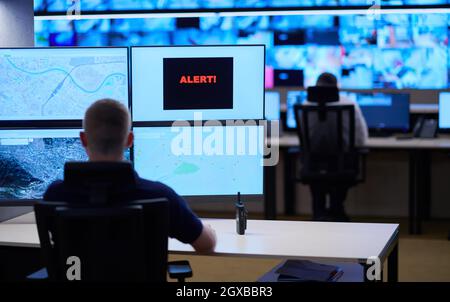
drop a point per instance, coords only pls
(303, 271)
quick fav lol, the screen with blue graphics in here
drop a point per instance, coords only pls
(202, 161)
(60, 83)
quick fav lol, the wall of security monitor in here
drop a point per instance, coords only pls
(45, 91)
(161, 85)
(262, 77)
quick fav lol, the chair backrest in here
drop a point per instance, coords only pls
(103, 180)
(327, 137)
(321, 95)
(331, 136)
(113, 243)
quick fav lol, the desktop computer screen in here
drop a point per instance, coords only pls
(220, 82)
(385, 111)
(202, 161)
(293, 97)
(272, 106)
(59, 83)
(31, 159)
(381, 111)
(444, 110)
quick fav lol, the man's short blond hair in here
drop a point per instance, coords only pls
(107, 124)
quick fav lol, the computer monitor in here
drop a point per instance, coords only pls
(293, 97)
(31, 159)
(59, 83)
(444, 111)
(203, 163)
(385, 112)
(220, 82)
(272, 106)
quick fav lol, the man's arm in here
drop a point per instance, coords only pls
(186, 226)
(206, 242)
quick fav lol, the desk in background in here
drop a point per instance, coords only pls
(316, 241)
(419, 173)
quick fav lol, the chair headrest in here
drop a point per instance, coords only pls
(111, 174)
(323, 94)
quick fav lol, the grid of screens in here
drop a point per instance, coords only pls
(100, 5)
(381, 111)
(444, 110)
(202, 161)
(175, 83)
(58, 83)
(32, 159)
(40, 86)
(390, 51)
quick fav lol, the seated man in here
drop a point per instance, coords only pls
(106, 135)
(337, 193)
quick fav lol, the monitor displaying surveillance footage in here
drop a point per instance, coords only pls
(30, 160)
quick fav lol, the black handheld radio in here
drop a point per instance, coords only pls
(241, 216)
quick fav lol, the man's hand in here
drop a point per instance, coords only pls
(206, 242)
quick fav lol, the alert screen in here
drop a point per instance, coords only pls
(198, 83)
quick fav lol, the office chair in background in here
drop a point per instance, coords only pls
(328, 156)
(113, 241)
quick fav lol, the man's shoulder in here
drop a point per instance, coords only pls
(154, 188)
(55, 191)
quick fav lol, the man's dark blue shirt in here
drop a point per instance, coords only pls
(184, 224)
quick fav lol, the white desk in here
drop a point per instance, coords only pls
(320, 241)
(419, 167)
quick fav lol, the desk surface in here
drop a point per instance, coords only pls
(347, 242)
(443, 142)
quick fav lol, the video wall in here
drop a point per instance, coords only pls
(389, 51)
(101, 5)
(44, 93)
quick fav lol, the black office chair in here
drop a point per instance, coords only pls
(113, 241)
(328, 155)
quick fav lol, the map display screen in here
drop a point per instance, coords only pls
(202, 161)
(60, 83)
